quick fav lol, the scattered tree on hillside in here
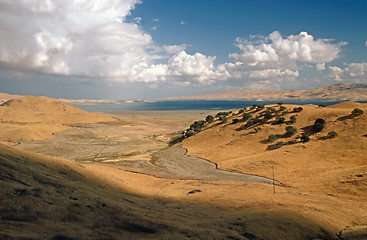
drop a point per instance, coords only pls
(293, 119)
(268, 115)
(332, 134)
(305, 138)
(280, 120)
(320, 120)
(197, 125)
(272, 138)
(318, 125)
(222, 114)
(357, 112)
(209, 119)
(246, 116)
(223, 119)
(252, 122)
(290, 131)
(298, 109)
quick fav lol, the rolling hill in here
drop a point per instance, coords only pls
(336, 92)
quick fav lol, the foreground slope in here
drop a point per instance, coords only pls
(37, 118)
(52, 198)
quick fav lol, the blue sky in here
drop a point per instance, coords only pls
(163, 48)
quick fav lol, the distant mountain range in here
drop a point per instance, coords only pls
(335, 92)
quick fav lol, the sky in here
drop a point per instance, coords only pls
(144, 49)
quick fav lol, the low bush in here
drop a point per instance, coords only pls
(246, 116)
(197, 125)
(298, 109)
(357, 112)
(317, 127)
(268, 115)
(293, 119)
(290, 131)
(272, 138)
(305, 138)
(320, 120)
(332, 134)
(280, 120)
(223, 119)
(252, 122)
(222, 114)
(209, 119)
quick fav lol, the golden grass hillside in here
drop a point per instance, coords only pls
(43, 197)
(37, 118)
(327, 165)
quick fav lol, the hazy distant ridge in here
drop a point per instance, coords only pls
(335, 92)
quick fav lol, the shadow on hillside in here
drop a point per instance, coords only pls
(350, 116)
(69, 205)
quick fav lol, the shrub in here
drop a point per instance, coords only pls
(263, 121)
(280, 120)
(272, 138)
(279, 103)
(223, 119)
(246, 116)
(317, 127)
(241, 111)
(357, 112)
(320, 120)
(305, 138)
(268, 115)
(298, 109)
(209, 119)
(293, 119)
(290, 131)
(222, 114)
(332, 134)
(197, 125)
(282, 108)
(235, 121)
(252, 122)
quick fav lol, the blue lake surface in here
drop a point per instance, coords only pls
(186, 105)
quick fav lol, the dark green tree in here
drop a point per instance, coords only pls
(209, 119)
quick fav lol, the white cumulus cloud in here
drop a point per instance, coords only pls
(352, 72)
(94, 39)
(280, 51)
(72, 37)
(320, 66)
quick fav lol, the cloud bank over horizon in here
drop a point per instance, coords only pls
(95, 39)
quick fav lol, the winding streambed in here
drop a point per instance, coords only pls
(173, 163)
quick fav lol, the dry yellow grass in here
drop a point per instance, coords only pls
(46, 197)
(331, 169)
(37, 118)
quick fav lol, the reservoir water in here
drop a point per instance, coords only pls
(164, 105)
